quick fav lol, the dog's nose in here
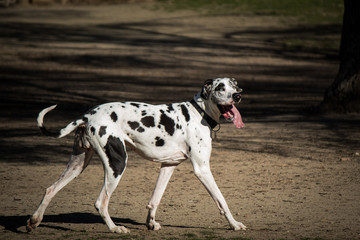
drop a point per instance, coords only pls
(237, 97)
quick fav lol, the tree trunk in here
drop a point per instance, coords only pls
(344, 93)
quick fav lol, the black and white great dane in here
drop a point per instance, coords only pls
(168, 134)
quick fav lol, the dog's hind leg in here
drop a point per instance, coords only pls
(79, 159)
(114, 160)
(164, 176)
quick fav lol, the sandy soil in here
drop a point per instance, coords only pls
(289, 174)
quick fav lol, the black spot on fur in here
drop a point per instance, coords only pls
(159, 142)
(133, 125)
(85, 119)
(189, 148)
(115, 151)
(92, 129)
(143, 113)
(185, 112)
(135, 105)
(114, 116)
(170, 108)
(102, 131)
(74, 123)
(148, 121)
(141, 129)
(92, 112)
(168, 123)
(220, 87)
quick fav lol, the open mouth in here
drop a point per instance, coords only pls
(230, 113)
(226, 112)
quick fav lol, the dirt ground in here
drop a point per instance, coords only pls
(289, 174)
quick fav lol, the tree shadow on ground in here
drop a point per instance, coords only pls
(71, 72)
(41, 86)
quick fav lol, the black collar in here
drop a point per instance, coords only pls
(212, 123)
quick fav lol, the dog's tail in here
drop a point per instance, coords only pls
(61, 133)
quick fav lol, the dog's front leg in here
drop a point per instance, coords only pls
(203, 173)
(164, 176)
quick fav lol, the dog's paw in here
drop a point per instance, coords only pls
(152, 225)
(120, 229)
(32, 223)
(29, 226)
(238, 226)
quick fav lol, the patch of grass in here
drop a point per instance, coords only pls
(67, 235)
(322, 17)
(312, 238)
(191, 236)
(330, 45)
(306, 11)
(209, 234)
(235, 238)
(115, 236)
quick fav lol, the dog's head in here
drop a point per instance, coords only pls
(224, 92)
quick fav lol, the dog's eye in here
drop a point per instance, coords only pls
(220, 88)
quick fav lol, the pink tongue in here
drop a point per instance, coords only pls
(236, 117)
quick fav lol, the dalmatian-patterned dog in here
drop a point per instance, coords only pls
(168, 134)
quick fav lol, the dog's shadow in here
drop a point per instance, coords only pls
(15, 223)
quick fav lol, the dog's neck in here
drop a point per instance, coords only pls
(208, 107)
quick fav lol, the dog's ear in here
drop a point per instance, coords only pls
(205, 91)
(234, 82)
